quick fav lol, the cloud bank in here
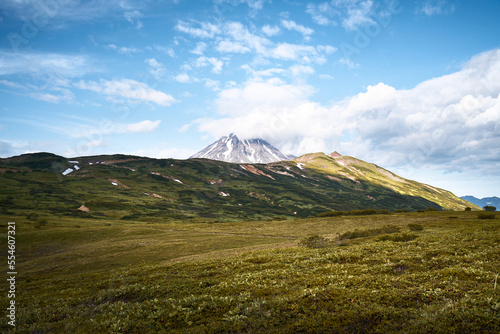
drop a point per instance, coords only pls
(449, 122)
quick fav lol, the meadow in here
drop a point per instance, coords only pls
(425, 272)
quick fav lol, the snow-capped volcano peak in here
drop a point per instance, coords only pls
(231, 149)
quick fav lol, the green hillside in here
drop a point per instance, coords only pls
(130, 187)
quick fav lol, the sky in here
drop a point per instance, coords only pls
(412, 86)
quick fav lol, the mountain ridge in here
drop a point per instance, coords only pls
(485, 201)
(132, 187)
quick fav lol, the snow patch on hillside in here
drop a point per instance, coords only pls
(67, 171)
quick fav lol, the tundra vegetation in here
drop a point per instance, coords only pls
(408, 272)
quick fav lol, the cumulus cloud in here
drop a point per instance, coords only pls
(450, 122)
(129, 89)
(144, 126)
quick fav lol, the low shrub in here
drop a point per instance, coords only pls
(428, 210)
(314, 241)
(468, 209)
(41, 222)
(365, 212)
(331, 214)
(486, 215)
(387, 229)
(415, 227)
(398, 237)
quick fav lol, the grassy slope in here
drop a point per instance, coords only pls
(261, 191)
(87, 275)
(364, 171)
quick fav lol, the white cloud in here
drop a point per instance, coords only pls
(144, 126)
(123, 49)
(234, 37)
(320, 13)
(232, 47)
(263, 73)
(352, 14)
(47, 64)
(66, 12)
(300, 70)
(12, 84)
(271, 31)
(255, 4)
(359, 15)
(449, 122)
(168, 51)
(263, 95)
(156, 69)
(130, 89)
(132, 17)
(292, 25)
(436, 7)
(348, 62)
(206, 61)
(64, 95)
(183, 77)
(240, 34)
(328, 49)
(200, 48)
(205, 30)
(212, 84)
(297, 52)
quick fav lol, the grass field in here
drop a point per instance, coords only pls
(428, 272)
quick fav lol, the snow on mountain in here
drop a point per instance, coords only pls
(231, 149)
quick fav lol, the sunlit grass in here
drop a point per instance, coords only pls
(116, 276)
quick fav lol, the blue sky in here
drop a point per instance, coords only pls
(412, 86)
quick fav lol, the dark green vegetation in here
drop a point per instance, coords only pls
(486, 215)
(135, 188)
(86, 275)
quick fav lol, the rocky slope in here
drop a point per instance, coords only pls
(231, 149)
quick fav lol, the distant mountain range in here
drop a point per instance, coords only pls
(231, 149)
(482, 202)
(139, 188)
